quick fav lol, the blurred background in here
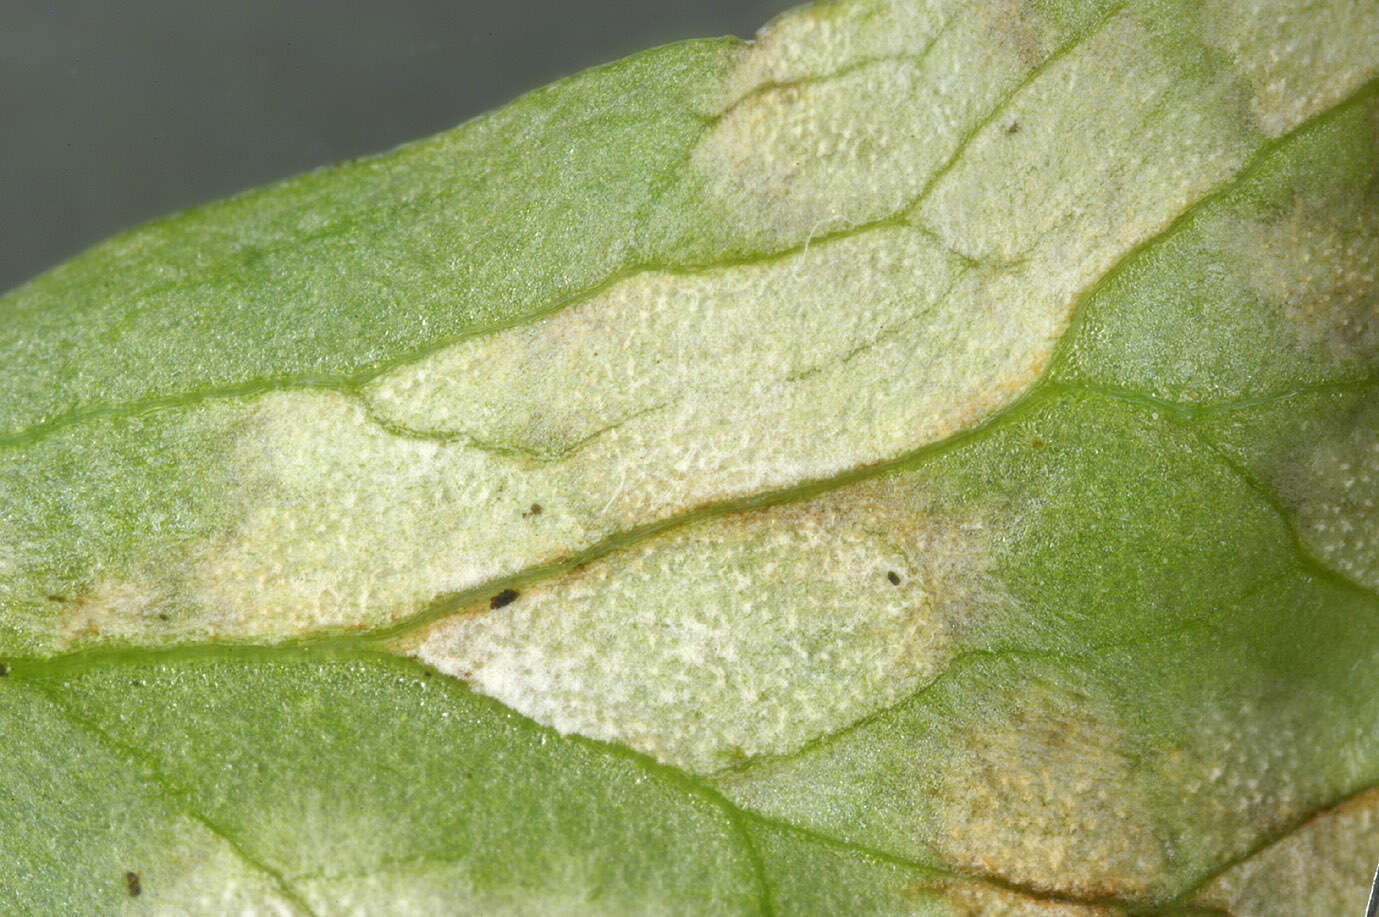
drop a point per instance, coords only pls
(112, 114)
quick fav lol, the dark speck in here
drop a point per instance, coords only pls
(534, 511)
(894, 578)
(1013, 127)
(4, 670)
(57, 598)
(506, 597)
(162, 616)
(131, 881)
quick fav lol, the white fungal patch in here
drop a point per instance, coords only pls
(1320, 263)
(569, 887)
(820, 39)
(183, 868)
(668, 392)
(736, 637)
(663, 342)
(1331, 484)
(1113, 143)
(1322, 867)
(344, 525)
(846, 127)
(1044, 794)
(1299, 58)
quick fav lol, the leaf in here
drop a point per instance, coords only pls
(923, 460)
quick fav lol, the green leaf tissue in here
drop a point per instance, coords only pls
(923, 460)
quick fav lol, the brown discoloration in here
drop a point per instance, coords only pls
(112, 608)
(1041, 794)
(133, 884)
(503, 599)
(974, 898)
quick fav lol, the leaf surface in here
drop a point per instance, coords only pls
(923, 460)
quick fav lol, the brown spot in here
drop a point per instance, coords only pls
(1013, 128)
(1040, 792)
(534, 511)
(893, 577)
(506, 597)
(131, 881)
(58, 598)
(974, 898)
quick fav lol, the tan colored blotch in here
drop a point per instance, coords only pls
(1324, 866)
(1043, 794)
(111, 608)
(739, 636)
(971, 898)
(1299, 58)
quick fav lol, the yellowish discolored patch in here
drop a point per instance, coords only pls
(1300, 58)
(1044, 794)
(1324, 866)
(737, 637)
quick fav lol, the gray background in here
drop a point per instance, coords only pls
(113, 113)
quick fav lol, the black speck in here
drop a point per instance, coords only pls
(534, 511)
(57, 598)
(894, 578)
(136, 683)
(1013, 127)
(162, 616)
(506, 597)
(131, 881)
